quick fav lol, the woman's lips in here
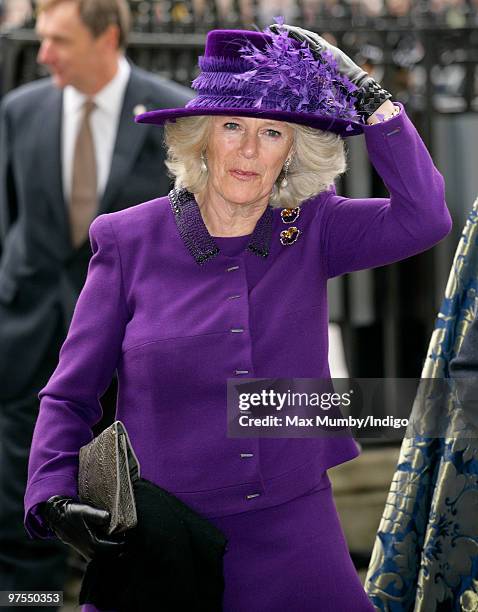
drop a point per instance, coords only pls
(242, 175)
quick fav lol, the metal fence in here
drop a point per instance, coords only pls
(429, 69)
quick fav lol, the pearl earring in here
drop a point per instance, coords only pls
(285, 171)
(203, 163)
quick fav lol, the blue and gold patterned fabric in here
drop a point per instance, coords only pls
(425, 556)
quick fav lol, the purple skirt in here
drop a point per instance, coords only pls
(289, 557)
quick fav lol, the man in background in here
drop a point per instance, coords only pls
(69, 151)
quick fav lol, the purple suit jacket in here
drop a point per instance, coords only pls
(175, 330)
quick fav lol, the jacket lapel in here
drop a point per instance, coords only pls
(50, 164)
(129, 140)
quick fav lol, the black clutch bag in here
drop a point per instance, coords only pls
(108, 467)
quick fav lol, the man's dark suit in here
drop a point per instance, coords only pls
(41, 275)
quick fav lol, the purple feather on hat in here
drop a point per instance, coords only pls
(289, 74)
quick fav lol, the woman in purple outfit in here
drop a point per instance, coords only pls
(226, 278)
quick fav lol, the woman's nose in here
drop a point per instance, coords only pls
(249, 145)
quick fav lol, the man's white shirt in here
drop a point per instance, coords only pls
(104, 125)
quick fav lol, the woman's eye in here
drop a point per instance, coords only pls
(273, 133)
(230, 125)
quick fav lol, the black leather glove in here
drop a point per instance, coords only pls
(370, 95)
(81, 526)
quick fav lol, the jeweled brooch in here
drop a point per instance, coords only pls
(289, 215)
(289, 236)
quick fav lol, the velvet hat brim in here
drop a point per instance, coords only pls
(342, 127)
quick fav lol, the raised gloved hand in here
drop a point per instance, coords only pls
(370, 95)
(81, 526)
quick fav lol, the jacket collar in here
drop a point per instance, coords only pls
(196, 237)
(129, 139)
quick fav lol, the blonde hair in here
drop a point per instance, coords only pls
(318, 160)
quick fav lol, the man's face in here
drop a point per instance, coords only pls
(68, 48)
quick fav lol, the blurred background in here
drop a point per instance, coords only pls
(426, 53)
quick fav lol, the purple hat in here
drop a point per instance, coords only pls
(270, 76)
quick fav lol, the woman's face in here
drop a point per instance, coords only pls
(245, 156)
